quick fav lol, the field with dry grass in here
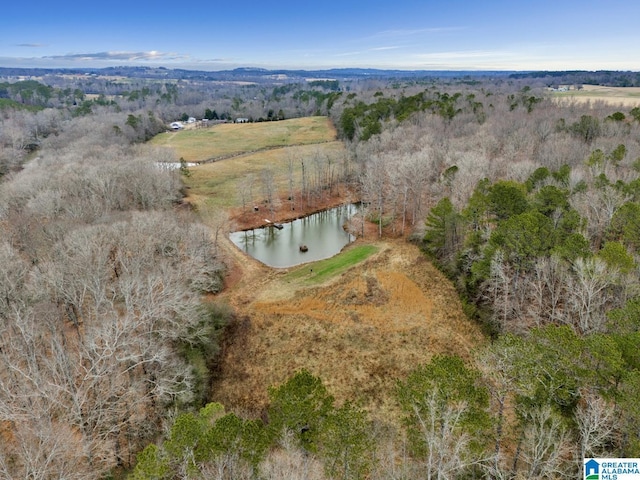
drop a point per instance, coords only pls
(360, 329)
(625, 97)
(228, 139)
(216, 184)
(232, 153)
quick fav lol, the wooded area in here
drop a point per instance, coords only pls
(109, 320)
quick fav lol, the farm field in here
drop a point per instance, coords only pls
(360, 320)
(245, 152)
(227, 139)
(623, 96)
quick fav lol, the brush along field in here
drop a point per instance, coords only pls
(217, 184)
(360, 321)
(622, 96)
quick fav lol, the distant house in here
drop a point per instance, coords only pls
(242, 120)
(176, 125)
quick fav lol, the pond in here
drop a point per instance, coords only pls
(322, 234)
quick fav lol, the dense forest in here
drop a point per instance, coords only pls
(110, 324)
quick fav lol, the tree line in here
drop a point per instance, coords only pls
(529, 209)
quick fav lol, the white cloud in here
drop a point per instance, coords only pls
(409, 32)
(378, 49)
(463, 54)
(152, 55)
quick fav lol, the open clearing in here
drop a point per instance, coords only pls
(227, 139)
(360, 321)
(324, 270)
(245, 152)
(627, 97)
(360, 331)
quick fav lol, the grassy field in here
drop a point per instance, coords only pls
(216, 184)
(247, 151)
(360, 321)
(226, 139)
(627, 97)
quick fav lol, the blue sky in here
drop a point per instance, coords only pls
(403, 34)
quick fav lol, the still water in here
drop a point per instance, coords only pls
(322, 233)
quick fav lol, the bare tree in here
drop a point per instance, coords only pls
(446, 443)
(374, 186)
(547, 291)
(590, 294)
(545, 446)
(268, 189)
(499, 291)
(598, 207)
(291, 162)
(595, 424)
(290, 462)
(245, 190)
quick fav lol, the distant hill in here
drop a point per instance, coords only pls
(246, 73)
(282, 76)
(260, 75)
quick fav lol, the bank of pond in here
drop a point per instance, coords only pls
(315, 237)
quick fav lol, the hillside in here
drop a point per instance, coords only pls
(229, 139)
(359, 332)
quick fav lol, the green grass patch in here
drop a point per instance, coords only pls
(322, 270)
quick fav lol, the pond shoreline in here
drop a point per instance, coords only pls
(249, 220)
(322, 234)
(300, 216)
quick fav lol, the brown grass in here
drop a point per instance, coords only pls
(226, 139)
(624, 97)
(214, 185)
(360, 332)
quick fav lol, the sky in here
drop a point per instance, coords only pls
(312, 35)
